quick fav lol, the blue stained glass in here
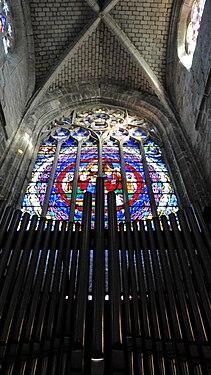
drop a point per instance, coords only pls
(30, 206)
(136, 183)
(57, 200)
(155, 166)
(106, 125)
(37, 187)
(139, 134)
(42, 173)
(67, 120)
(35, 192)
(140, 213)
(161, 176)
(33, 203)
(60, 198)
(6, 28)
(60, 134)
(80, 134)
(69, 142)
(87, 175)
(165, 198)
(53, 213)
(3, 22)
(113, 178)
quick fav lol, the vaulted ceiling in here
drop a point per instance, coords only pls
(118, 41)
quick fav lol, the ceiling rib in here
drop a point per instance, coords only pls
(135, 54)
(124, 40)
(109, 6)
(94, 5)
(73, 48)
(106, 9)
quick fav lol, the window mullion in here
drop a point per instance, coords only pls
(124, 183)
(75, 182)
(51, 179)
(100, 159)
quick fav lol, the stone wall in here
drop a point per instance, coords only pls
(101, 58)
(146, 23)
(188, 87)
(55, 25)
(16, 69)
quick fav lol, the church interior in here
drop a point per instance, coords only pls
(105, 187)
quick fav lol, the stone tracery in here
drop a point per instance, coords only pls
(104, 142)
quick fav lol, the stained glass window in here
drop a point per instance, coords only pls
(6, 28)
(111, 143)
(194, 24)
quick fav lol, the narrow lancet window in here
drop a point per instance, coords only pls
(194, 24)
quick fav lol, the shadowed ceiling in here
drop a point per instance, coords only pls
(120, 42)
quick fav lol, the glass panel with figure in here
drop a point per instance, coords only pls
(101, 142)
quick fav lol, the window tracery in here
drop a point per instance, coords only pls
(111, 143)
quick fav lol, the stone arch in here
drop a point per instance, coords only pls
(183, 166)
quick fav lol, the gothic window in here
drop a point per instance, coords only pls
(188, 30)
(194, 23)
(6, 28)
(111, 143)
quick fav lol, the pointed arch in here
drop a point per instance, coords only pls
(102, 141)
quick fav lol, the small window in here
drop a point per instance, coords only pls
(189, 27)
(6, 27)
(194, 24)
